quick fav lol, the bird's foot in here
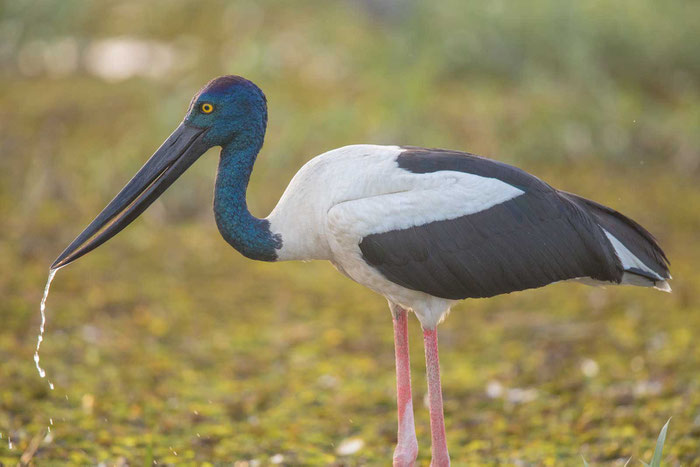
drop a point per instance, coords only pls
(440, 460)
(405, 454)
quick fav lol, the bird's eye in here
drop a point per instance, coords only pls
(206, 108)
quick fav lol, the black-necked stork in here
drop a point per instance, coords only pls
(422, 227)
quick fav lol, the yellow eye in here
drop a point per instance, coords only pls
(206, 108)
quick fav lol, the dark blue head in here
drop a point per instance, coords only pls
(232, 110)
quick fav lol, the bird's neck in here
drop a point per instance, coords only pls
(247, 234)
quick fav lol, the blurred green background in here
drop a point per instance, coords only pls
(167, 346)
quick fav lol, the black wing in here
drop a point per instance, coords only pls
(529, 241)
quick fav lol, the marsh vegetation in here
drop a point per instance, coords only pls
(166, 345)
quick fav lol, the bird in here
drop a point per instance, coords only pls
(422, 227)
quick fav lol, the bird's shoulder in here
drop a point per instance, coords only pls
(356, 157)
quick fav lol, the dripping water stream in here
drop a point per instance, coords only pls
(40, 337)
(10, 446)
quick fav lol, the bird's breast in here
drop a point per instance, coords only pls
(337, 176)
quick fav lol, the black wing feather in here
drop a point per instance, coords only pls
(529, 241)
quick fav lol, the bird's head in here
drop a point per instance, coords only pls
(228, 111)
(231, 110)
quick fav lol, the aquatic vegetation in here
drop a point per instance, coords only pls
(658, 450)
(168, 346)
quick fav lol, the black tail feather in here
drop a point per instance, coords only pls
(635, 237)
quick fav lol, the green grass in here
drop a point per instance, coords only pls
(658, 450)
(166, 341)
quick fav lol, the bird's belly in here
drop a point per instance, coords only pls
(430, 310)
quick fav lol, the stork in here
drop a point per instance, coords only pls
(422, 227)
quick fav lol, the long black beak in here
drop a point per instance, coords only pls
(174, 156)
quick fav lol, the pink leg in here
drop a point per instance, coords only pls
(407, 445)
(440, 456)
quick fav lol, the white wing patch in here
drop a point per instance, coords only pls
(439, 196)
(628, 259)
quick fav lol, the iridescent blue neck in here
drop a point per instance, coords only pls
(247, 234)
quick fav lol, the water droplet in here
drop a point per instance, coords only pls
(40, 337)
